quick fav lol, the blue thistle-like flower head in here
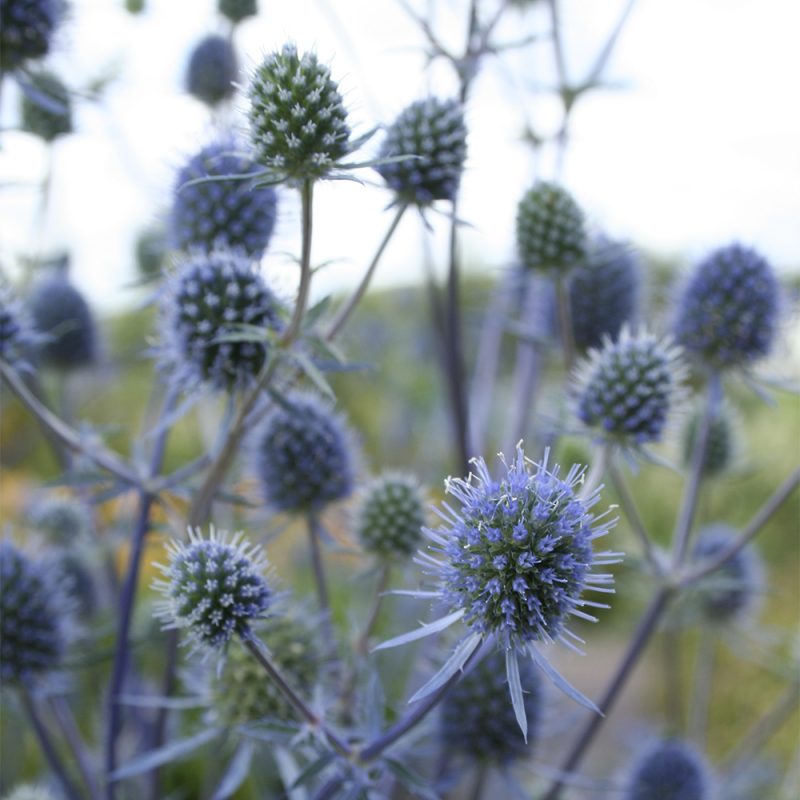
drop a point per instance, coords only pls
(63, 520)
(298, 122)
(731, 592)
(17, 338)
(603, 292)
(46, 106)
(214, 587)
(671, 770)
(477, 720)
(551, 229)
(211, 296)
(226, 214)
(728, 314)
(212, 70)
(627, 389)
(62, 316)
(434, 131)
(26, 30)
(304, 456)
(237, 10)
(721, 444)
(390, 516)
(32, 617)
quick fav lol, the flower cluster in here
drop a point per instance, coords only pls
(671, 770)
(26, 30)
(221, 213)
(433, 134)
(213, 68)
(46, 106)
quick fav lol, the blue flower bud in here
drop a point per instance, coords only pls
(212, 71)
(26, 30)
(237, 10)
(671, 770)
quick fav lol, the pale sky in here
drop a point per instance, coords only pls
(698, 146)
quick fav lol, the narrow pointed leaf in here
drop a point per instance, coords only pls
(453, 664)
(170, 752)
(515, 687)
(314, 768)
(561, 682)
(422, 631)
(236, 773)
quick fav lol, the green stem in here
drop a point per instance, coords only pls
(565, 323)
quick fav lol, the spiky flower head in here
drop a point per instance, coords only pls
(732, 591)
(627, 389)
(433, 130)
(298, 123)
(211, 296)
(237, 10)
(390, 516)
(720, 445)
(46, 106)
(226, 214)
(17, 338)
(240, 694)
(304, 456)
(62, 316)
(551, 233)
(212, 70)
(26, 30)
(603, 292)
(728, 314)
(671, 770)
(214, 587)
(32, 617)
(63, 520)
(478, 721)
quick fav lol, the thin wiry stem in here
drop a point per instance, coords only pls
(672, 652)
(603, 453)
(320, 579)
(565, 323)
(72, 736)
(307, 201)
(701, 692)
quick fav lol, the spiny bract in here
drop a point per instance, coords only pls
(433, 131)
(603, 292)
(728, 313)
(390, 516)
(297, 116)
(671, 770)
(26, 30)
(237, 10)
(212, 70)
(211, 295)
(215, 587)
(304, 456)
(46, 106)
(478, 721)
(32, 631)
(628, 388)
(226, 214)
(551, 232)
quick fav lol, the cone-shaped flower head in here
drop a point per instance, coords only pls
(728, 313)
(212, 70)
(478, 721)
(17, 338)
(434, 131)
(64, 521)
(26, 30)
(211, 296)
(241, 695)
(61, 314)
(603, 292)
(226, 214)
(46, 106)
(304, 456)
(671, 770)
(298, 123)
(390, 516)
(733, 590)
(551, 232)
(720, 445)
(214, 587)
(32, 617)
(237, 10)
(627, 389)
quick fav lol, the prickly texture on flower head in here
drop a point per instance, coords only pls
(63, 520)
(237, 10)
(390, 516)
(733, 590)
(518, 551)
(214, 587)
(728, 314)
(212, 70)
(211, 295)
(46, 106)
(672, 770)
(226, 214)
(32, 621)
(240, 694)
(304, 457)
(720, 445)
(298, 123)
(17, 338)
(433, 130)
(551, 232)
(62, 316)
(603, 292)
(627, 389)
(26, 30)
(478, 721)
